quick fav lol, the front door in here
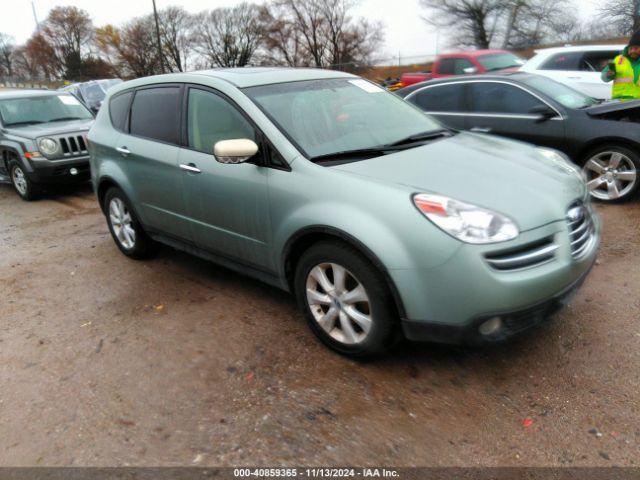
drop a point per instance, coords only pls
(505, 109)
(228, 204)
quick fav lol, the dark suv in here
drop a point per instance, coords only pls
(42, 139)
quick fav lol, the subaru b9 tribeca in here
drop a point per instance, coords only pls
(379, 220)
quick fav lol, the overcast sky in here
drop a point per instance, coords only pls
(406, 33)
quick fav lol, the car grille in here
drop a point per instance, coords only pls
(581, 229)
(73, 145)
(529, 255)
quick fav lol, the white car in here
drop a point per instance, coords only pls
(579, 67)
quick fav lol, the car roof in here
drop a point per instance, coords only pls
(474, 53)
(514, 76)
(8, 94)
(256, 76)
(581, 48)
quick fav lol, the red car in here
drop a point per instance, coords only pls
(466, 63)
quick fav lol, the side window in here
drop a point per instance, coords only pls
(596, 61)
(211, 118)
(119, 109)
(461, 64)
(447, 66)
(563, 61)
(155, 114)
(445, 98)
(489, 97)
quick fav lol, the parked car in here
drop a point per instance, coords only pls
(578, 67)
(539, 110)
(465, 63)
(324, 184)
(91, 93)
(43, 139)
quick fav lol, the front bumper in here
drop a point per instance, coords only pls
(514, 323)
(448, 303)
(59, 171)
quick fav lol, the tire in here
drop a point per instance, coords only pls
(125, 228)
(23, 186)
(332, 308)
(613, 173)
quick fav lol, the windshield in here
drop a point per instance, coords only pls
(499, 61)
(41, 109)
(561, 93)
(93, 93)
(324, 117)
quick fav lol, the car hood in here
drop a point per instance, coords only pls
(47, 129)
(613, 106)
(506, 176)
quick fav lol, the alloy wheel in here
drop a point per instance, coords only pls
(610, 175)
(19, 181)
(339, 303)
(122, 223)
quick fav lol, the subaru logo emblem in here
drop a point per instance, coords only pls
(576, 213)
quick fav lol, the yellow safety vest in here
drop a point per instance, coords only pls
(624, 84)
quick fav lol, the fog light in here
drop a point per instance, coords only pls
(73, 171)
(491, 326)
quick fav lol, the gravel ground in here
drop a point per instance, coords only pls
(105, 361)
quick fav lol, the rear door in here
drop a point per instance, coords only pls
(446, 102)
(150, 158)
(505, 109)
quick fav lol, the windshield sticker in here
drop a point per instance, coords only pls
(68, 100)
(366, 86)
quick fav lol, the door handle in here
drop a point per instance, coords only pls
(574, 78)
(481, 130)
(190, 168)
(123, 150)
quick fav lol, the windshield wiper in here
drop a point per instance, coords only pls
(26, 122)
(357, 153)
(62, 119)
(419, 137)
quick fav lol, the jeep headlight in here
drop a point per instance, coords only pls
(464, 221)
(48, 146)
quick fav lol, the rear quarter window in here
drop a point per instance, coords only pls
(119, 110)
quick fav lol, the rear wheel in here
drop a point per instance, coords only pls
(612, 173)
(21, 182)
(125, 227)
(345, 300)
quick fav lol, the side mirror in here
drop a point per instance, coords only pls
(470, 70)
(543, 113)
(234, 151)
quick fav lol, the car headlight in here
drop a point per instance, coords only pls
(48, 146)
(464, 221)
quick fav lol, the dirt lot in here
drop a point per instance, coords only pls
(107, 361)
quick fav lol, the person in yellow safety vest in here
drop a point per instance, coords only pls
(624, 70)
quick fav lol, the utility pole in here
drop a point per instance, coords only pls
(160, 57)
(35, 17)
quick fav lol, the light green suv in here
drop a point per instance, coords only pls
(380, 221)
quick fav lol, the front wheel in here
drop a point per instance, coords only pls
(21, 182)
(612, 173)
(345, 300)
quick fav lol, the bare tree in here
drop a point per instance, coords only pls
(69, 31)
(7, 49)
(175, 34)
(534, 22)
(36, 59)
(623, 14)
(132, 48)
(475, 21)
(319, 33)
(229, 37)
